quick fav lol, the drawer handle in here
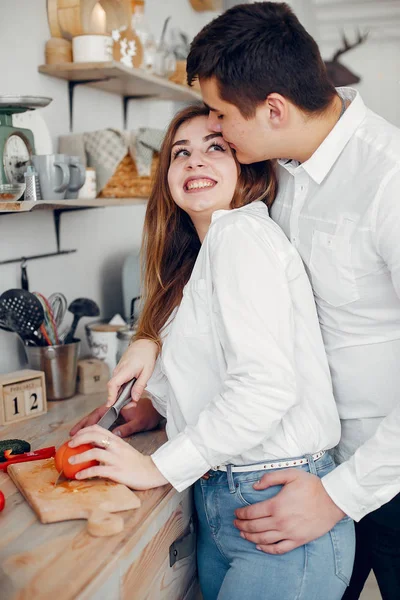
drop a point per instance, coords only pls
(183, 546)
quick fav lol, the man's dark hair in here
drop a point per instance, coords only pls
(253, 50)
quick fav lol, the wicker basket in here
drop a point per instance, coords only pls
(126, 182)
(179, 76)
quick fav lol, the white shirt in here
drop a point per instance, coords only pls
(243, 374)
(341, 210)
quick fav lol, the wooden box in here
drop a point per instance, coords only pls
(22, 396)
(93, 375)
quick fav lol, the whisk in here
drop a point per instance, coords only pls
(48, 329)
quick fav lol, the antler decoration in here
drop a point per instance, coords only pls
(338, 73)
(347, 46)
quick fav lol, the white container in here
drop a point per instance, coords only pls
(88, 190)
(102, 339)
(92, 48)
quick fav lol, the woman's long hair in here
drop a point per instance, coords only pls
(170, 242)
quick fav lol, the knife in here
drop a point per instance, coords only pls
(123, 398)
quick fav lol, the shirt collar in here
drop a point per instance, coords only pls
(325, 156)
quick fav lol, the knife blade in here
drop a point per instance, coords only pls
(123, 398)
(60, 479)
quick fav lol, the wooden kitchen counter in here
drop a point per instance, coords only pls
(61, 561)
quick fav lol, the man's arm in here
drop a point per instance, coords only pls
(307, 507)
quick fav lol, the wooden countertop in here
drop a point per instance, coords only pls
(60, 561)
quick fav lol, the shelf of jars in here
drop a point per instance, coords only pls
(116, 78)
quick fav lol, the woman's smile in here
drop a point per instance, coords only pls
(196, 184)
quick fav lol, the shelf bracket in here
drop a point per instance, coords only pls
(125, 100)
(71, 88)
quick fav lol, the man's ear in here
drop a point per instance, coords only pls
(277, 107)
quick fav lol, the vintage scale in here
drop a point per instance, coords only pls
(16, 143)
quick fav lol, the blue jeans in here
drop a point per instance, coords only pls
(231, 568)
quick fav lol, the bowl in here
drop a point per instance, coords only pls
(10, 192)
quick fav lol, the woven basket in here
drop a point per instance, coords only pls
(179, 76)
(126, 182)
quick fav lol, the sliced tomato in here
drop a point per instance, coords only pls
(2, 501)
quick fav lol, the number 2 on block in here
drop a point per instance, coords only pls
(33, 401)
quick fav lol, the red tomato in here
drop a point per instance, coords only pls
(62, 455)
(2, 501)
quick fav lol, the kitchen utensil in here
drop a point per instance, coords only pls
(32, 185)
(123, 398)
(124, 337)
(16, 143)
(58, 303)
(28, 456)
(24, 276)
(21, 312)
(59, 364)
(77, 176)
(48, 329)
(70, 499)
(54, 175)
(81, 307)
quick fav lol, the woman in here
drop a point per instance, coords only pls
(242, 376)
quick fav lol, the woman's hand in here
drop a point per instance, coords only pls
(137, 361)
(142, 418)
(119, 461)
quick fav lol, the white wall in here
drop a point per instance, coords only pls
(103, 237)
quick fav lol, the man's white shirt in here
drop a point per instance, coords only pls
(341, 211)
(243, 375)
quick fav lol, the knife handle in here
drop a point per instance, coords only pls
(124, 395)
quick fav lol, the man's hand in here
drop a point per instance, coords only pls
(302, 511)
(142, 418)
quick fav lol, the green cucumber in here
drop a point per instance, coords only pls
(17, 447)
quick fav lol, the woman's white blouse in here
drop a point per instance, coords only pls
(243, 375)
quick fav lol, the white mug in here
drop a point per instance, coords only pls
(92, 48)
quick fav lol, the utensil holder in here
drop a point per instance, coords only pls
(59, 364)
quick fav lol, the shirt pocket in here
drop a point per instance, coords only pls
(194, 306)
(332, 275)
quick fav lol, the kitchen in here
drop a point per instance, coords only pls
(104, 237)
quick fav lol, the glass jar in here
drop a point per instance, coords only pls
(124, 337)
(143, 31)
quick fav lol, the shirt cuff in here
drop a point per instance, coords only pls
(352, 498)
(180, 462)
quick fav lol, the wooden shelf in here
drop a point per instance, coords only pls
(116, 78)
(19, 207)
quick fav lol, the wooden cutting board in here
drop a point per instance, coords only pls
(86, 499)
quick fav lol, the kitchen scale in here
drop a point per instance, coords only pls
(16, 143)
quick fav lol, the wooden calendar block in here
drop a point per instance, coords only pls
(93, 375)
(22, 396)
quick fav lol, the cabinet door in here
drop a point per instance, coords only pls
(151, 576)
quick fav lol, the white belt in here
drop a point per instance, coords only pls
(281, 464)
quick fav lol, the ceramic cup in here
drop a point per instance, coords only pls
(88, 191)
(92, 48)
(77, 176)
(53, 170)
(102, 339)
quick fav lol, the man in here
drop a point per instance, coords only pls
(265, 84)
